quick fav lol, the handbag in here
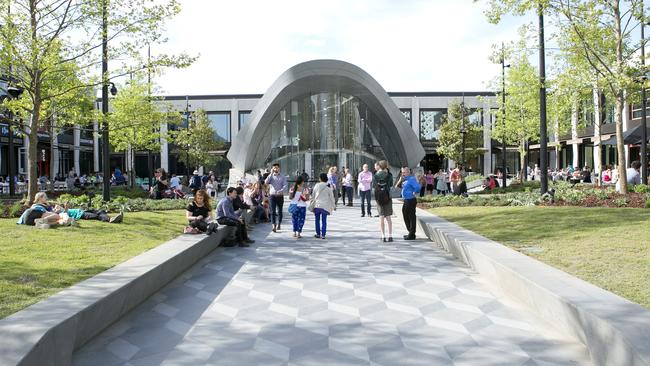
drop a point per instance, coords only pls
(312, 205)
(292, 208)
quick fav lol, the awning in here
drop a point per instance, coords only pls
(630, 137)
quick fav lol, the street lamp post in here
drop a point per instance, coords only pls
(504, 162)
(463, 131)
(105, 150)
(543, 154)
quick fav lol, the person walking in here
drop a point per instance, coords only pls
(348, 187)
(298, 195)
(277, 184)
(382, 183)
(409, 188)
(365, 186)
(324, 205)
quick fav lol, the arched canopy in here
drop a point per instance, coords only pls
(398, 141)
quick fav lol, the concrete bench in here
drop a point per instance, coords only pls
(48, 332)
(615, 330)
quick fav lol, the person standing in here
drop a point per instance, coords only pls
(348, 186)
(430, 180)
(324, 205)
(277, 185)
(410, 187)
(441, 182)
(423, 184)
(382, 183)
(298, 195)
(333, 181)
(365, 184)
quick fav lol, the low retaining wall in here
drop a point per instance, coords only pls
(615, 331)
(48, 332)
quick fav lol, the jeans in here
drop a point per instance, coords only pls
(202, 225)
(347, 191)
(321, 214)
(276, 204)
(408, 212)
(365, 195)
(100, 215)
(298, 218)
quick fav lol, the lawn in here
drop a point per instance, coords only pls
(36, 263)
(609, 247)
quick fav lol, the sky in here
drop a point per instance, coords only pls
(406, 45)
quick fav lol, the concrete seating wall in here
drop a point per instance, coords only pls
(48, 332)
(615, 331)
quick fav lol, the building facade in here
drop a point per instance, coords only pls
(327, 112)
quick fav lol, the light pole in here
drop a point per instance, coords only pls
(504, 162)
(105, 150)
(543, 154)
(105, 83)
(463, 131)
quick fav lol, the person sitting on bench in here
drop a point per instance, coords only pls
(226, 216)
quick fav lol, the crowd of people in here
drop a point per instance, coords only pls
(263, 201)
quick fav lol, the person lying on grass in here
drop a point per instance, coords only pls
(80, 214)
(40, 214)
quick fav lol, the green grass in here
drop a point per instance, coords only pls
(609, 247)
(36, 263)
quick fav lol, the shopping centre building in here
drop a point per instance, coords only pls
(322, 113)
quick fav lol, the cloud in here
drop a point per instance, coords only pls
(409, 45)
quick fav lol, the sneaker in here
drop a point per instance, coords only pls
(317, 236)
(363, 215)
(322, 237)
(274, 229)
(243, 245)
(278, 227)
(39, 222)
(188, 230)
(390, 239)
(383, 240)
(117, 219)
(249, 241)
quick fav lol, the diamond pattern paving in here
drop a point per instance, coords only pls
(347, 300)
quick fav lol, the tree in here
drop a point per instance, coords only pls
(196, 145)
(134, 124)
(52, 49)
(451, 137)
(599, 31)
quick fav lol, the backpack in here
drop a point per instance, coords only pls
(382, 193)
(195, 182)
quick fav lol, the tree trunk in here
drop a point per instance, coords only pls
(522, 162)
(32, 152)
(620, 145)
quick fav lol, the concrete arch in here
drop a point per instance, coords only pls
(403, 148)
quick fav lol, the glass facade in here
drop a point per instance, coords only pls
(407, 114)
(244, 116)
(315, 131)
(430, 121)
(220, 123)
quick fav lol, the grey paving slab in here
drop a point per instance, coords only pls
(347, 300)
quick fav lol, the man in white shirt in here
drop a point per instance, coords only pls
(633, 176)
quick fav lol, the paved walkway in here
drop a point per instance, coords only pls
(347, 300)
